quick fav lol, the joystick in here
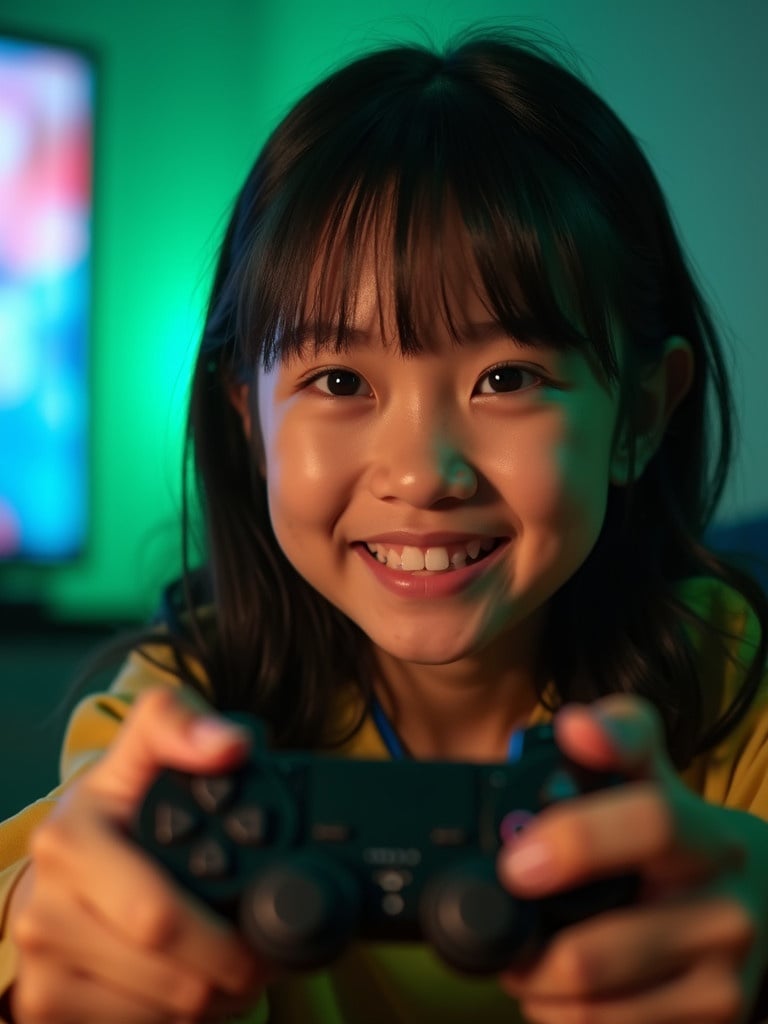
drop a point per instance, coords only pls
(305, 852)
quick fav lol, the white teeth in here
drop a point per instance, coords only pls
(436, 559)
(433, 559)
(412, 559)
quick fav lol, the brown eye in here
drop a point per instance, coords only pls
(341, 383)
(505, 379)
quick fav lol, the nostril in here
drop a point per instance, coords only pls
(463, 479)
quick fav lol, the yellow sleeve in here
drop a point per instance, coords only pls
(91, 730)
(735, 772)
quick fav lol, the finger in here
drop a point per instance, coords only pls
(165, 729)
(57, 930)
(638, 827)
(623, 950)
(44, 993)
(603, 834)
(616, 733)
(104, 871)
(708, 993)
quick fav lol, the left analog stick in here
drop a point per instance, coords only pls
(300, 912)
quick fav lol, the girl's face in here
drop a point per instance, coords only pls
(439, 500)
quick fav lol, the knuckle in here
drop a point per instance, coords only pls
(48, 842)
(191, 997)
(29, 932)
(154, 703)
(577, 969)
(152, 924)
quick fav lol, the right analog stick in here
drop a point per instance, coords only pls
(472, 921)
(300, 912)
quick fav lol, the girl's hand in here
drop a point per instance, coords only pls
(103, 934)
(693, 949)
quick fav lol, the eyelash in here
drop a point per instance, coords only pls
(324, 374)
(538, 379)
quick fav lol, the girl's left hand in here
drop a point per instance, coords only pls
(694, 948)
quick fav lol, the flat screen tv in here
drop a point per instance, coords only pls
(46, 147)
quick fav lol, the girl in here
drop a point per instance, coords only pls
(449, 424)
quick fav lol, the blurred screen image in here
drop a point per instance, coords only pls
(46, 146)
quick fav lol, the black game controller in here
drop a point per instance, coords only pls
(305, 852)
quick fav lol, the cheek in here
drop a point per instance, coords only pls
(559, 475)
(306, 478)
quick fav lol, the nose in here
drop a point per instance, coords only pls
(423, 466)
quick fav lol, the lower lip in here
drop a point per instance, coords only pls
(430, 585)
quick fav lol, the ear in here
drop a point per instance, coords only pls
(240, 397)
(239, 394)
(659, 394)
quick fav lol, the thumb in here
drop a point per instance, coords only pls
(166, 728)
(617, 733)
(624, 734)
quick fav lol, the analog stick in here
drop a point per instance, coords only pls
(472, 922)
(300, 912)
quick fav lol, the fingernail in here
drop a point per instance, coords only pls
(210, 733)
(531, 863)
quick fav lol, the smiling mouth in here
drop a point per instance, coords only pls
(437, 559)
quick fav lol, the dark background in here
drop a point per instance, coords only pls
(39, 664)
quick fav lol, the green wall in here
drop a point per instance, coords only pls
(177, 126)
(187, 91)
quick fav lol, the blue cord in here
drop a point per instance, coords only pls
(387, 732)
(398, 753)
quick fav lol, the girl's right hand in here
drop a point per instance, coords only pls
(102, 933)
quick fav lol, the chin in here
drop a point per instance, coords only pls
(434, 651)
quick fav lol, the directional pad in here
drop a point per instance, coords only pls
(209, 859)
(173, 823)
(247, 825)
(212, 792)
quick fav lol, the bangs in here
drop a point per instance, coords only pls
(438, 190)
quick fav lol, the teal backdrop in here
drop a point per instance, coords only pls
(188, 90)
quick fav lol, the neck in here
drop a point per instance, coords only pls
(463, 711)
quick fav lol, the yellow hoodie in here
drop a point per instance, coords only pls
(406, 983)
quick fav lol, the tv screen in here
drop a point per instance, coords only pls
(46, 145)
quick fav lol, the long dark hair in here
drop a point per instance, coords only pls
(571, 236)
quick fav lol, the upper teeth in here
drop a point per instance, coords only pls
(434, 559)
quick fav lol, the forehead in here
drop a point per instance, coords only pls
(404, 263)
(440, 280)
(408, 292)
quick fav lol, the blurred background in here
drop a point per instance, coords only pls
(126, 127)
